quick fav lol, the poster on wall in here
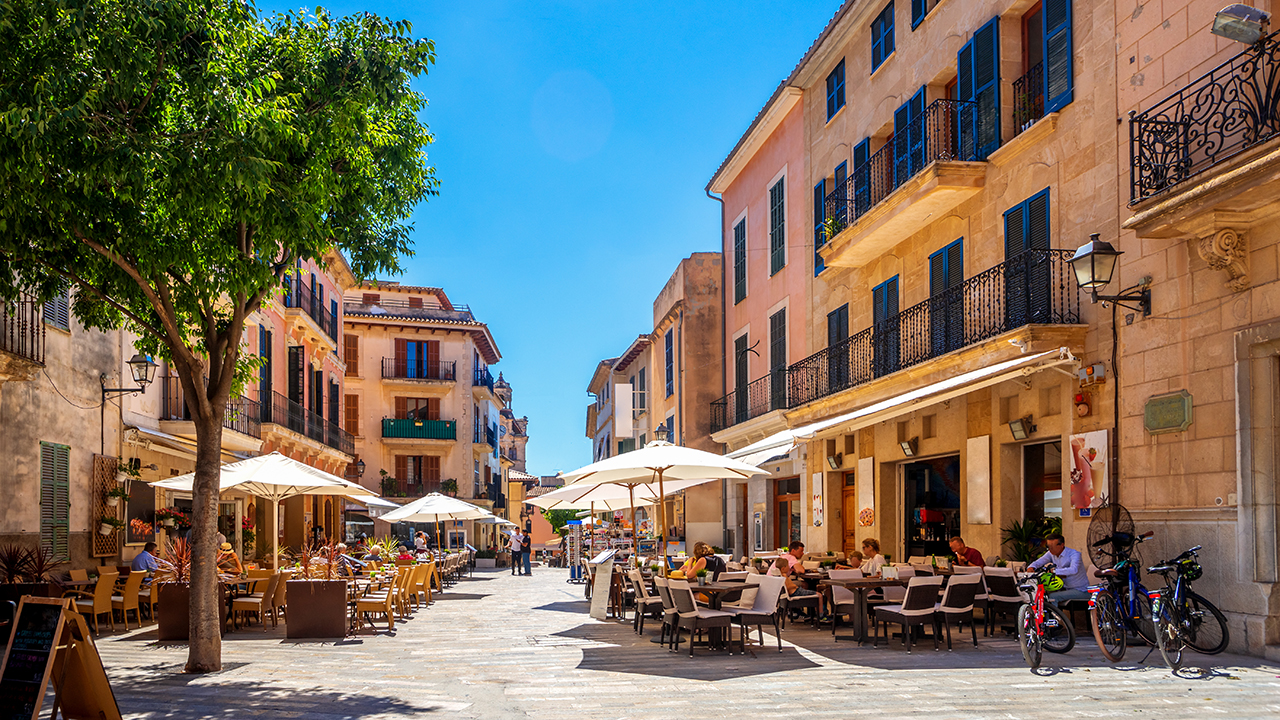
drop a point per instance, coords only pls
(866, 492)
(816, 483)
(1088, 469)
(757, 521)
(140, 514)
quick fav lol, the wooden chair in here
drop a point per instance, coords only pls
(277, 607)
(128, 598)
(258, 603)
(97, 602)
(80, 575)
(379, 602)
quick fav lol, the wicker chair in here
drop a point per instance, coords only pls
(128, 599)
(97, 602)
(259, 603)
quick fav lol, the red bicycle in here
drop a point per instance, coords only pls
(1041, 625)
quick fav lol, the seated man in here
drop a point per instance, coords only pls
(347, 565)
(965, 555)
(795, 551)
(1068, 565)
(146, 560)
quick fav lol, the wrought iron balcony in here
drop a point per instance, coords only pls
(396, 487)
(242, 414)
(420, 429)
(947, 131)
(1028, 99)
(1228, 110)
(22, 329)
(482, 378)
(403, 369)
(287, 413)
(761, 396)
(1036, 287)
(297, 294)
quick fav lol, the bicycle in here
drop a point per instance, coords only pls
(1121, 604)
(1180, 614)
(1041, 625)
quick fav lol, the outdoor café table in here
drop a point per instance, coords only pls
(860, 586)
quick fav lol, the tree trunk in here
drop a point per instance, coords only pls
(205, 649)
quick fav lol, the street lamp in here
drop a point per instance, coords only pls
(662, 434)
(360, 468)
(1241, 23)
(1094, 265)
(143, 371)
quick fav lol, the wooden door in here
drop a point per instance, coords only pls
(849, 514)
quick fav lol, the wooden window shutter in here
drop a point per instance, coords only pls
(433, 358)
(433, 408)
(351, 354)
(55, 498)
(402, 408)
(402, 357)
(1038, 222)
(352, 414)
(297, 374)
(1057, 54)
(402, 467)
(431, 468)
(1014, 232)
(415, 302)
(370, 299)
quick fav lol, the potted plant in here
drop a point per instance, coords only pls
(1001, 562)
(702, 576)
(126, 472)
(486, 559)
(318, 597)
(173, 613)
(108, 524)
(248, 537)
(27, 571)
(115, 495)
(449, 487)
(169, 517)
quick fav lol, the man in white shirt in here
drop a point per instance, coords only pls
(1068, 565)
(514, 546)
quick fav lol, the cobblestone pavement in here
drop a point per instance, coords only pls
(499, 646)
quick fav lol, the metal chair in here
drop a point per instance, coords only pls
(668, 609)
(843, 600)
(957, 604)
(690, 615)
(644, 602)
(1003, 597)
(917, 609)
(764, 609)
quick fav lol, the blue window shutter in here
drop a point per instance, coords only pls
(986, 85)
(1038, 221)
(835, 90)
(919, 8)
(908, 138)
(819, 218)
(966, 117)
(861, 177)
(916, 131)
(1057, 54)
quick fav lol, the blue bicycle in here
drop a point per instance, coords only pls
(1120, 606)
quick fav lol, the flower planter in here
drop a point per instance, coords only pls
(316, 608)
(167, 522)
(113, 501)
(486, 562)
(702, 579)
(173, 614)
(105, 529)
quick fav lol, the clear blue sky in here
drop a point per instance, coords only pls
(574, 141)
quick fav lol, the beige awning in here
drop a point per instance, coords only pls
(782, 442)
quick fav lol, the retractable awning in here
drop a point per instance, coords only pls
(782, 442)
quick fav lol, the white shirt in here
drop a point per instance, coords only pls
(872, 565)
(514, 544)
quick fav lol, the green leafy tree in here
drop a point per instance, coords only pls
(174, 161)
(559, 518)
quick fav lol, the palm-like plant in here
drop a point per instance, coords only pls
(15, 560)
(178, 554)
(42, 563)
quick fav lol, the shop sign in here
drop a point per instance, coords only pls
(1168, 413)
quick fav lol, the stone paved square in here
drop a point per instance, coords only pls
(501, 646)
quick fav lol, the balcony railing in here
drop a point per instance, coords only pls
(1228, 110)
(287, 413)
(242, 414)
(1036, 287)
(420, 429)
(397, 487)
(401, 307)
(947, 131)
(403, 369)
(22, 329)
(757, 398)
(297, 294)
(483, 377)
(1028, 98)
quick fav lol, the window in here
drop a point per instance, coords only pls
(370, 299)
(674, 437)
(777, 227)
(335, 399)
(946, 311)
(671, 362)
(642, 388)
(861, 178)
(838, 325)
(778, 360)
(908, 137)
(838, 351)
(417, 359)
(740, 262)
(418, 474)
(920, 8)
(317, 392)
(885, 334)
(978, 81)
(415, 302)
(297, 374)
(351, 354)
(55, 498)
(1026, 225)
(741, 378)
(882, 37)
(835, 90)
(264, 371)
(819, 222)
(1057, 52)
(351, 415)
(57, 312)
(1027, 275)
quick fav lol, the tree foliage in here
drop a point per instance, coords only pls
(174, 161)
(559, 518)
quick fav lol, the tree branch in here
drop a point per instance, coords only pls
(102, 295)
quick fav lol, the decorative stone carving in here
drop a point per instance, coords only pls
(1226, 250)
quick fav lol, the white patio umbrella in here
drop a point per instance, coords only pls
(661, 461)
(435, 507)
(273, 477)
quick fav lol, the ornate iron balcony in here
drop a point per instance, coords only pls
(242, 414)
(1228, 110)
(402, 368)
(1028, 99)
(22, 329)
(482, 376)
(759, 397)
(947, 131)
(285, 412)
(297, 294)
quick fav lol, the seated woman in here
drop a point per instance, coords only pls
(704, 558)
(874, 560)
(229, 561)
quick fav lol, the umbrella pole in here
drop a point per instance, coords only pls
(662, 498)
(275, 535)
(635, 534)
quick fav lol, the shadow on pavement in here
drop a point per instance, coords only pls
(581, 607)
(458, 596)
(154, 691)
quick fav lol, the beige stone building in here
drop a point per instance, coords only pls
(420, 398)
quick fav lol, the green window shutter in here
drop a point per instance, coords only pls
(55, 498)
(777, 227)
(740, 262)
(57, 312)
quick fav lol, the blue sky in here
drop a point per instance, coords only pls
(574, 141)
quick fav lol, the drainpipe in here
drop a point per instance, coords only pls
(724, 381)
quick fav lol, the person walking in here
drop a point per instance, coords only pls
(514, 546)
(526, 550)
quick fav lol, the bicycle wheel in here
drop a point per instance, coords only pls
(1059, 635)
(1204, 626)
(1169, 637)
(1143, 624)
(1028, 638)
(1108, 627)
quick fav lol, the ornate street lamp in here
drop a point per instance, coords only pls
(143, 371)
(1241, 23)
(662, 434)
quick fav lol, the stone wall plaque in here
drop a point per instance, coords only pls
(1168, 413)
